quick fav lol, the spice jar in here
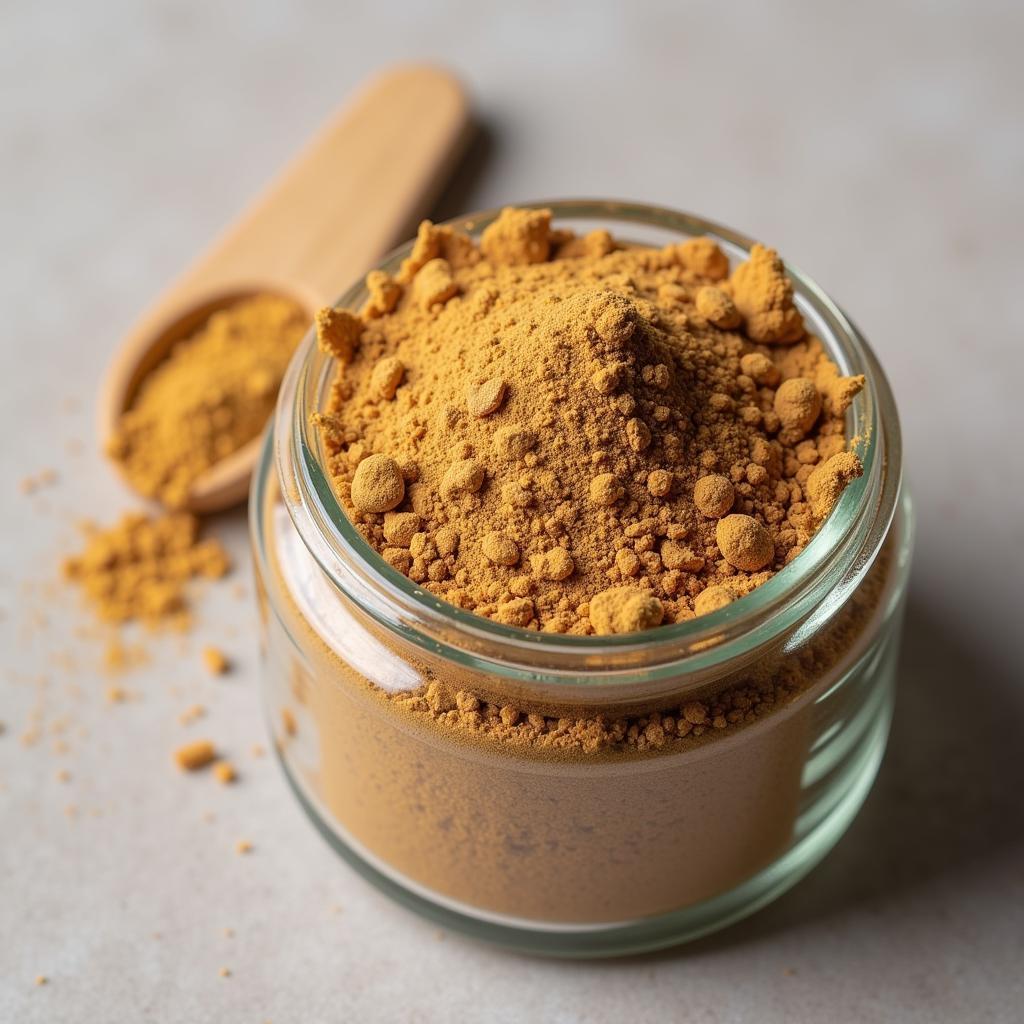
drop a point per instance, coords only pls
(581, 795)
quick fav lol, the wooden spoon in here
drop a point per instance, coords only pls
(353, 194)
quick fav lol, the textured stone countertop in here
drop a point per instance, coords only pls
(880, 147)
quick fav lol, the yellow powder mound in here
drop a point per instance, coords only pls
(213, 394)
(563, 434)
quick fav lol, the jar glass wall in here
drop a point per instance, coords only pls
(687, 775)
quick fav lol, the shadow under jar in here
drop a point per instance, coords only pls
(742, 744)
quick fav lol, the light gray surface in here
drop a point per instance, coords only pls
(880, 148)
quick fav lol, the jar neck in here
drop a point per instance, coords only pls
(794, 604)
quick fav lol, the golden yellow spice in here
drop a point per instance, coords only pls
(195, 755)
(140, 567)
(213, 394)
(565, 434)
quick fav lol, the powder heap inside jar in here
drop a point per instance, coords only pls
(213, 393)
(568, 434)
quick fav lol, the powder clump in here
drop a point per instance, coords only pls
(744, 542)
(829, 480)
(209, 397)
(625, 610)
(713, 495)
(588, 437)
(338, 332)
(518, 236)
(764, 297)
(797, 404)
(139, 568)
(377, 485)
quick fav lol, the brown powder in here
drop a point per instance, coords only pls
(567, 420)
(139, 568)
(459, 784)
(583, 444)
(213, 394)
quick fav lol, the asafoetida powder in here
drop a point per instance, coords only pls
(139, 568)
(574, 435)
(568, 434)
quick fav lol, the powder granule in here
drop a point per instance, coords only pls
(139, 568)
(575, 437)
(797, 404)
(713, 495)
(193, 756)
(215, 661)
(625, 610)
(213, 394)
(744, 542)
(377, 485)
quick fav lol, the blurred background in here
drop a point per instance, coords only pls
(879, 147)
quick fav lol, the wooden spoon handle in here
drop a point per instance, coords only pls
(355, 192)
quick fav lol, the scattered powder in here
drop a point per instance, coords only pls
(564, 434)
(213, 394)
(119, 657)
(139, 568)
(224, 772)
(195, 755)
(31, 484)
(288, 722)
(215, 661)
(192, 714)
(243, 846)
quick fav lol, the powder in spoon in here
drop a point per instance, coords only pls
(213, 394)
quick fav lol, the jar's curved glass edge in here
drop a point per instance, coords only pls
(302, 478)
(617, 686)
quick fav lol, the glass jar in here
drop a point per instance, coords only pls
(743, 741)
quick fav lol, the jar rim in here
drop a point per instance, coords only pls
(816, 582)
